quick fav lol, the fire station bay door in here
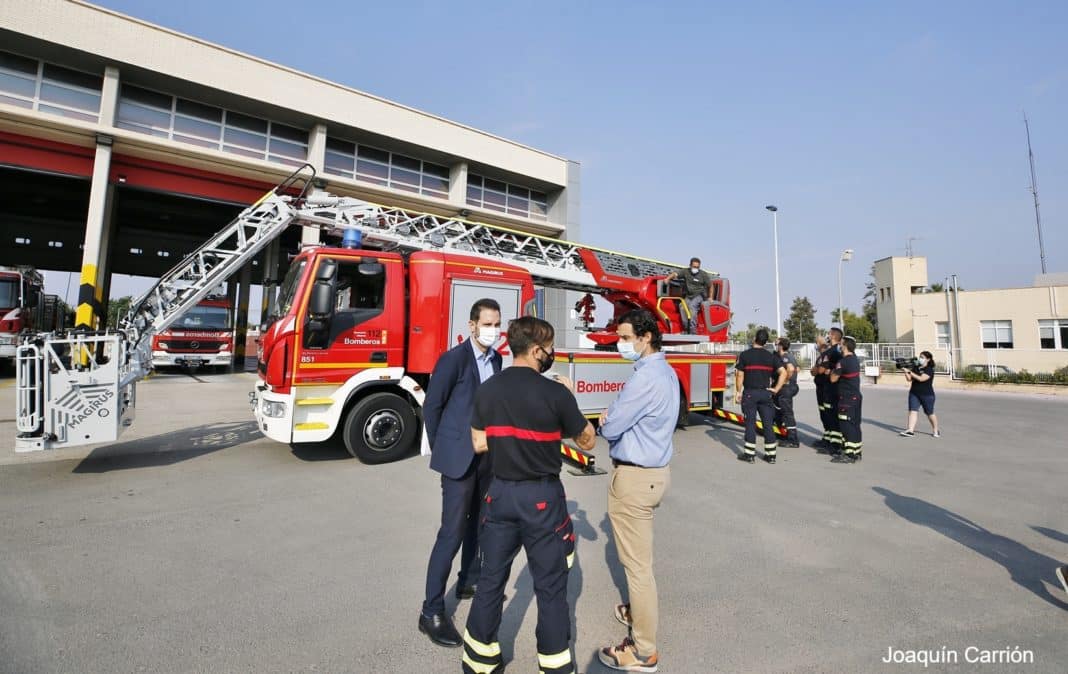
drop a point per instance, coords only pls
(466, 293)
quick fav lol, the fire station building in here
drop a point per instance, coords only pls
(123, 145)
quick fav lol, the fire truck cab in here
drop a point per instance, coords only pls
(357, 333)
(202, 337)
(21, 290)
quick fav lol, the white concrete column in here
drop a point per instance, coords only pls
(564, 210)
(97, 236)
(458, 184)
(309, 236)
(109, 96)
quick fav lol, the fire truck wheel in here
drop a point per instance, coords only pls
(380, 428)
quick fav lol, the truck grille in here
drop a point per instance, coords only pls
(194, 345)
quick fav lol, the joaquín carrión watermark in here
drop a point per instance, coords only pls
(975, 655)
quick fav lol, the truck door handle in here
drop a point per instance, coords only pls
(378, 357)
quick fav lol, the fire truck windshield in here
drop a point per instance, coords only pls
(205, 318)
(288, 290)
(9, 293)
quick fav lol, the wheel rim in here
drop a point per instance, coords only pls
(383, 430)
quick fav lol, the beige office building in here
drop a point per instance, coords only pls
(1015, 328)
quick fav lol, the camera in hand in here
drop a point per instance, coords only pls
(912, 364)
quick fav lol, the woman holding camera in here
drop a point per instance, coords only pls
(921, 394)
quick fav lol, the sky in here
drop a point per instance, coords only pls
(865, 123)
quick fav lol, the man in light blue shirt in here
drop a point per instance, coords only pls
(639, 426)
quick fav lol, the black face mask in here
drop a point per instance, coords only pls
(545, 365)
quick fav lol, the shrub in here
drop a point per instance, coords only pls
(1060, 376)
(975, 375)
(1021, 377)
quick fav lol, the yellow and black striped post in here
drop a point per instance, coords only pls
(580, 459)
(736, 418)
(87, 315)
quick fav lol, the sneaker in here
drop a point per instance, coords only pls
(936, 434)
(623, 614)
(1062, 575)
(906, 433)
(626, 659)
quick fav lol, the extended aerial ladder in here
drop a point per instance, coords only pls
(79, 387)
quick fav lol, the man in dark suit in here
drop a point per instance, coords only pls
(465, 476)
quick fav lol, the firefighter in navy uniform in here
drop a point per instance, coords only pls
(784, 402)
(830, 392)
(821, 382)
(521, 417)
(753, 375)
(846, 376)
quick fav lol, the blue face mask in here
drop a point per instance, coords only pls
(626, 349)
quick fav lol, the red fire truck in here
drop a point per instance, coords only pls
(202, 337)
(358, 330)
(21, 293)
(354, 334)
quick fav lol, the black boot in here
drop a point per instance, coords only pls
(769, 458)
(791, 438)
(748, 458)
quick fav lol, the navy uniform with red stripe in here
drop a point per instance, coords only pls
(830, 400)
(761, 368)
(524, 416)
(847, 375)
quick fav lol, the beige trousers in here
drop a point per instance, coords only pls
(632, 496)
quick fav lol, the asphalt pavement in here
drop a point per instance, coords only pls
(196, 545)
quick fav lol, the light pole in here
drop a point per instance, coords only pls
(778, 307)
(847, 255)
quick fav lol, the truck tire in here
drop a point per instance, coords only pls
(380, 428)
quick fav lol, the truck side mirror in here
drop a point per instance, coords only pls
(327, 270)
(321, 302)
(371, 269)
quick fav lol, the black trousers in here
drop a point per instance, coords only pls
(531, 515)
(829, 415)
(460, 503)
(758, 402)
(849, 422)
(784, 416)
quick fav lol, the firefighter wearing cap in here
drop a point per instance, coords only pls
(754, 374)
(521, 417)
(846, 376)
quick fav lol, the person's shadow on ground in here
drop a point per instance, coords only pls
(1027, 568)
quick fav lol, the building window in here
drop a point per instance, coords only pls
(1053, 333)
(496, 195)
(942, 334)
(35, 85)
(389, 169)
(996, 334)
(211, 127)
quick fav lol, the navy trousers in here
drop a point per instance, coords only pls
(531, 515)
(758, 402)
(460, 503)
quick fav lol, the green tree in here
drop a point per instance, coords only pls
(746, 336)
(857, 327)
(937, 288)
(800, 325)
(118, 307)
(869, 310)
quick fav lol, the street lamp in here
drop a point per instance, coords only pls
(778, 307)
(847, 255)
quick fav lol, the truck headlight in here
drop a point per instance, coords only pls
(162, 345)
(273, 409)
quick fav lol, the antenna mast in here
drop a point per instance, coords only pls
(1034, 193)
